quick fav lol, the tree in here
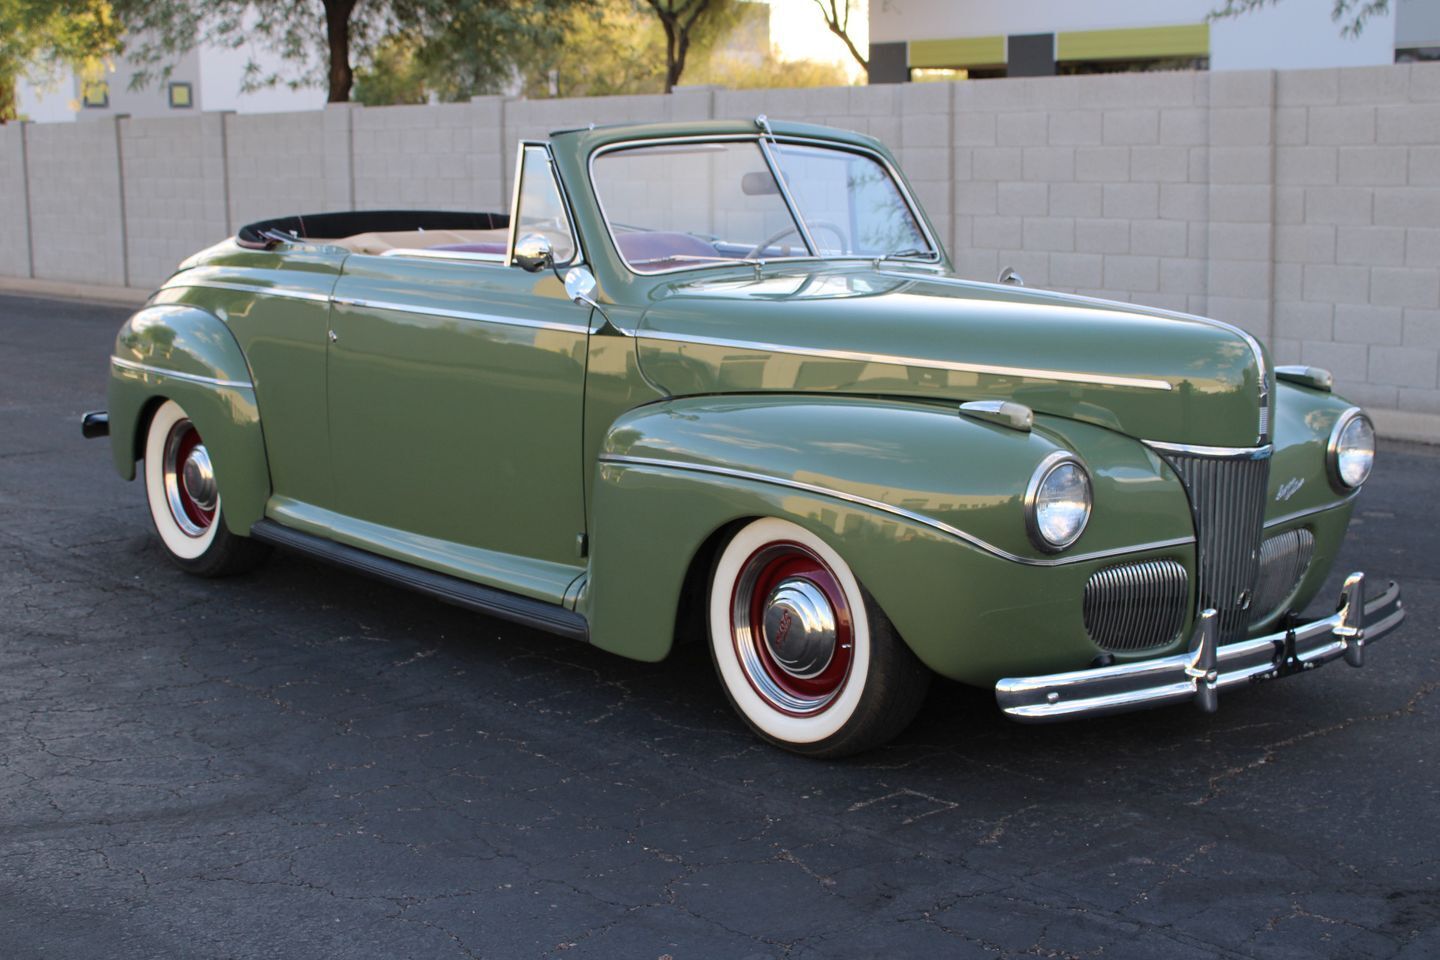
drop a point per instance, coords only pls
(334, 33)
(607, 48)
(40, 36)
(837, 18)
(1352, 13)
(678, 17)
(479, 48)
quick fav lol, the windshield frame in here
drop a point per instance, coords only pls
(763, 140)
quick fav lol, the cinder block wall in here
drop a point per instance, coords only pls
(174, 187)
(1303, 206)
(1357, 213)
(77, 224)
(14, 205)
(284, 163)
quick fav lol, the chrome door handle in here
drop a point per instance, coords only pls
(333, 336)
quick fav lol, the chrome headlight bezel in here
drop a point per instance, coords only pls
(1333, 450)
(1043, 472)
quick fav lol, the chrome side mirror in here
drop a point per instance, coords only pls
(533, 253)
(580, 285)
(1008, 275)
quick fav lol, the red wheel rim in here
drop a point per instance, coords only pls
(768, 568)
(190, 513)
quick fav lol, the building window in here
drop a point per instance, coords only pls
(946, 74)
(963, 58)
(1073, 67)
(182, 96)
(1417, 55)
(1134, 50)
(96, 96)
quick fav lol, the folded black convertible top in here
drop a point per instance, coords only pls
(264, 234)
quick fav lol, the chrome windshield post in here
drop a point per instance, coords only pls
(767, 141)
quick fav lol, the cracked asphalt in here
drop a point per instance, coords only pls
(303, 763)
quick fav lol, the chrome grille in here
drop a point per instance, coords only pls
(1227, 502)
(1136, 606)
(1284, 558)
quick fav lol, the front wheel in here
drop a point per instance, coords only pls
(805, 655)
(185, 503)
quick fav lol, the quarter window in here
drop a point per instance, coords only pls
(540, 208)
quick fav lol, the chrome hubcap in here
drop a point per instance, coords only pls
(799, 628)
(199, 478)
(189, 478)
(792, 629)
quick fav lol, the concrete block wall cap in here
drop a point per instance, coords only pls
(26, 287)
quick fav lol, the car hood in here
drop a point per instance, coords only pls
(1148, 373)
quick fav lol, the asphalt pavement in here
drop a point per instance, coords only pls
(303, 763)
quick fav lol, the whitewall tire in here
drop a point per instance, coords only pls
(184, 499)
(806, 657)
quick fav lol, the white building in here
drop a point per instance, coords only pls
(206, 78)
(955, 39)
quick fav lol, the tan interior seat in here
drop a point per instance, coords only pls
(378, 243)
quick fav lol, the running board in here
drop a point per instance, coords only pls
(462, 593)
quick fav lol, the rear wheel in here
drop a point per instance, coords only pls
(805, 655)
(185, 502)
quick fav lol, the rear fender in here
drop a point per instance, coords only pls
(185, 354)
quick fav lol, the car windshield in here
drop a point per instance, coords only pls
(681, 205)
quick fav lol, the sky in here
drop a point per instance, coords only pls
(798, 30)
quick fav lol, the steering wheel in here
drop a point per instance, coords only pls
(770, 241)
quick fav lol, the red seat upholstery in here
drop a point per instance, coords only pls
(473, 248)
(645, 246)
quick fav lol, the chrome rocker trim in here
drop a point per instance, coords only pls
(1201, 673)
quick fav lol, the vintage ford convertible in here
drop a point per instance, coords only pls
(719, 378)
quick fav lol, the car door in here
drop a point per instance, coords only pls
(455, 394)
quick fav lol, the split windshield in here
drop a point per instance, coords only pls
(689, 204)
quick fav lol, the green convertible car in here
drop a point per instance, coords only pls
(718, 379)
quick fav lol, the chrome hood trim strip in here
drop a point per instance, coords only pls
(425, 311)
(289, 293)
(945, 528)
(177, 375)
(1215, 453)
(1063, 376)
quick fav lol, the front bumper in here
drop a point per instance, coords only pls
(1207, 668)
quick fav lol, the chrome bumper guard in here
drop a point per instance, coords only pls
(1199, 675)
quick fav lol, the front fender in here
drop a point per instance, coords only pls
(182, 353)
(925, 506)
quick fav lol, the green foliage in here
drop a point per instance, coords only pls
(606, 48)
(1351, 14)
(40, 36)
(770, 71)
(453, 47)
(482, 48)
(393, 74)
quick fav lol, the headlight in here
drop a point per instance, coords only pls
(1057, 502)
(1352, 449)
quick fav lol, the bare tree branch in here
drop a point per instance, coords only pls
(837, 18)
(1351, 14)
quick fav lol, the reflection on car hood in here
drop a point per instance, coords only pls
(856, 329)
